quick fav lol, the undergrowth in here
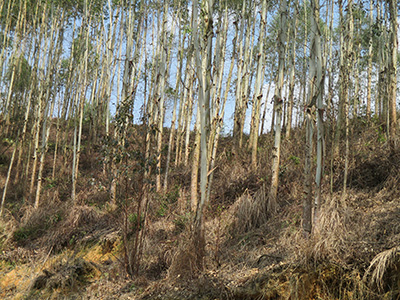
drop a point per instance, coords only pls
(252, 253)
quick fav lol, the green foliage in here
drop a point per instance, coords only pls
(133, 221)
(34, 230)
(78, 54)
(22, 74)
(25, 232)
(163, 208)
(181, 222)
(7, 142)
(50, 183)
(381, 135)
(53, 219)
(35, 9)
(63, 72)
(4, 43)
(173, 195)
(167, 199)
(295, 159)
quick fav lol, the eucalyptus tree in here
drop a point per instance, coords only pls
(358, 16)
(370, 55)
(30, 100)
(15, 59)
(244, 35)
(53, 64)
(122, 115)
(258, 88)
(305, 41)
(18, 65)
(392, 73)
(346, 69)
(5, 23)
(186, 108)
(278, 101)
(292, 74)
(10, 166)
(203, 61)
(317, 77)
(39, 111)
(244, 80)
(381, 95)
(164, 57)
(330, 95)
(314, 106)
(18, 75)
(219, 102)
(180, 58)
(194, 175)
(79, 101)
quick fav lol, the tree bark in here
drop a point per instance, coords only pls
(392, 66)
(203, 66)
(276, 150)
(258, 89)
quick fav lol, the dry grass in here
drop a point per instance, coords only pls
(250, 252)
(381, 265)
(250, 211)
(329, 240)
(183, 264)
(78, 223)
(331, 234)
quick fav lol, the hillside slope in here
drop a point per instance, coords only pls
(64, 252)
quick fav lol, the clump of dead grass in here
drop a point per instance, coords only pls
(232, 179)
(77, 223)
(159, 248)
(64, 277)
(382, 264)
(329, 240)
(250, 211)
(7, 226)
(183, 263)
(331, 234)
(35, 223)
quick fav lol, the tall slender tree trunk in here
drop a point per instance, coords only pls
(185, 109)
(265, 107)
(291, 80)
(188, 117)
(163, 69)
(247, 76)
(315, 105)
(347, 69)
(341, 115)
(80, 110)
(203, 66)
(276, 150)
(392, 66)
(173, 121)
(10, 166)
(305, 57)
(53, 65)
(369, 76)
(219, 112)
(195, 165)
(319, 82)
(238, 95)
(258, 89)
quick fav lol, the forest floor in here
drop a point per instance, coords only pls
(60, 251)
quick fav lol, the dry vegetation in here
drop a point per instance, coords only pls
(64, 252)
